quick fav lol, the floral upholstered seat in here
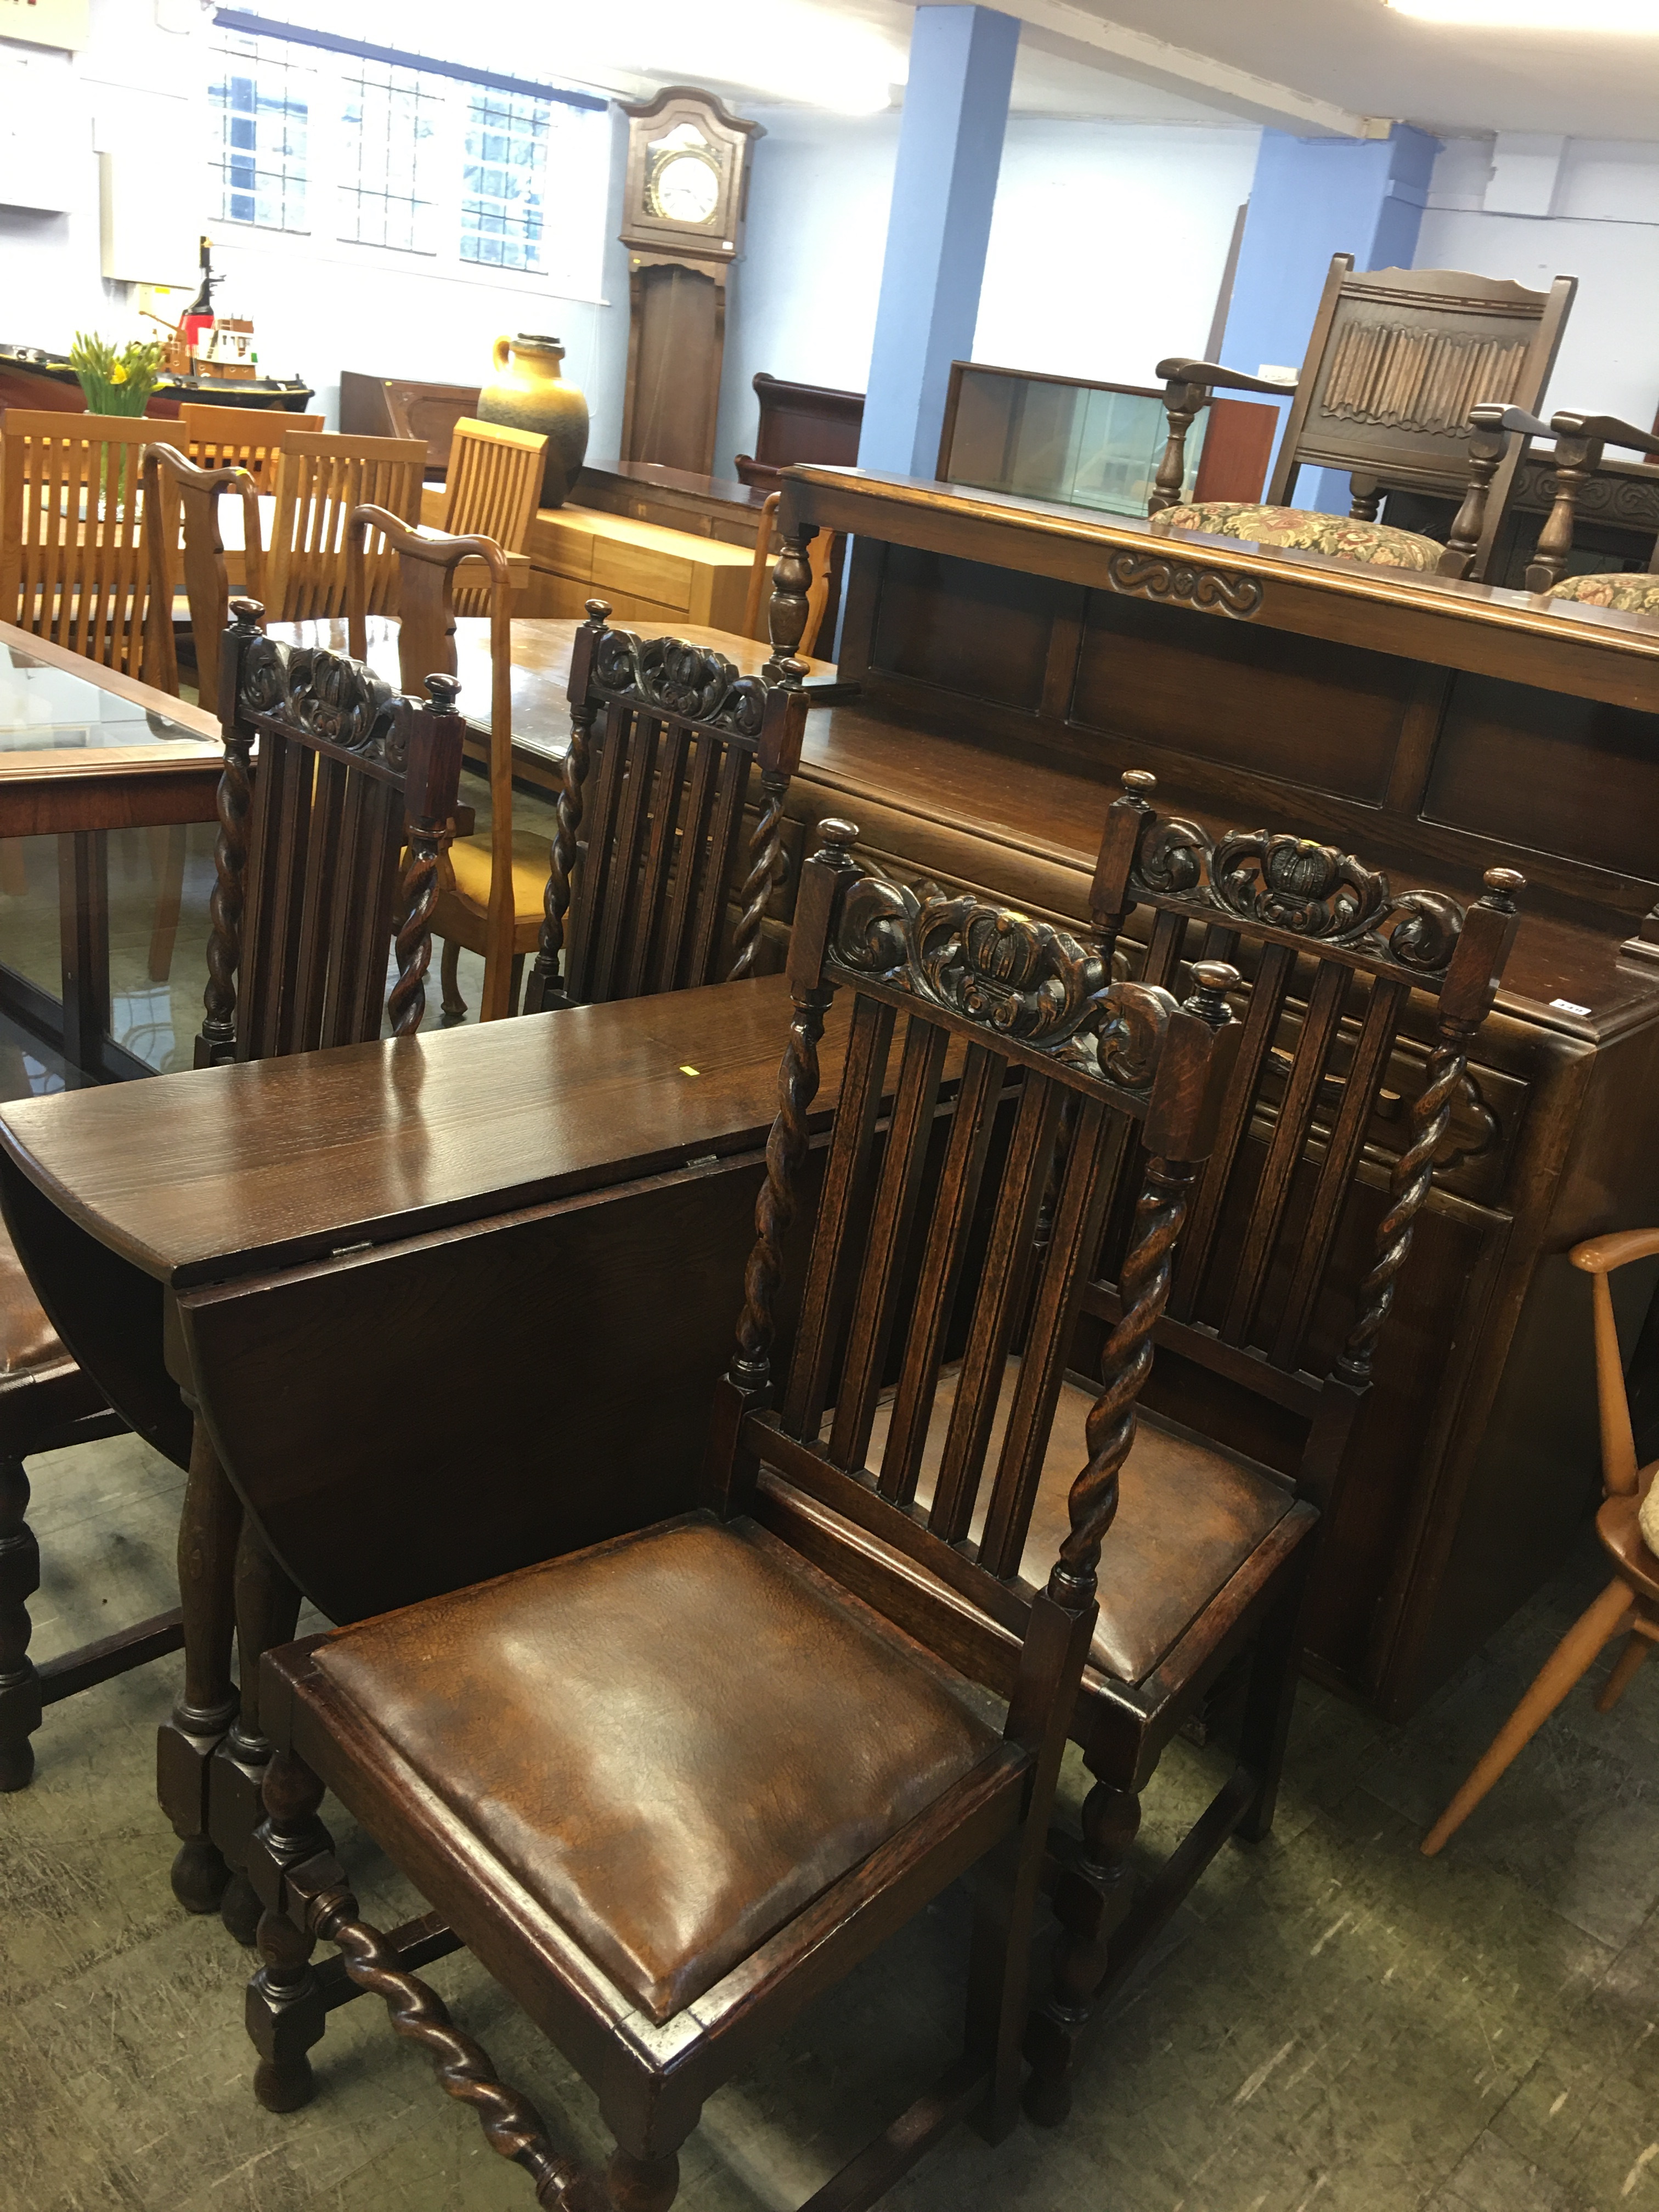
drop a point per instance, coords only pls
(1627, 594)
(1300, 529)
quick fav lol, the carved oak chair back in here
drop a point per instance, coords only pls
(1320, 927)
(1501, 438)
(186, 545)
(484, 901)
(310, 896)
(1396, 360)
(814, 1864)
(250, 438)
(663, 737)
(492, 488)
(320, 480)
(74, 558)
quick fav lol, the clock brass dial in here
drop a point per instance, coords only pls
(685, 188)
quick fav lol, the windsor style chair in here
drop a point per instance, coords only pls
(1396, 360)
(766, 1764)
(311, 901)
(320, 480)
(250, 438)
(1627, 1524)
(1502, 436)
(646, 844)
(490, 888)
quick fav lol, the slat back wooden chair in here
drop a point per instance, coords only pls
(74, 565)
(309, 906)
(835, 1770)
(1253, 1306)
(645, 851)
(185, 547)
(321, 479)
(250, 438)
(1396, 360)
(491, 488)
(310, 900)
(1628, 1527)
(1502, 437)
(490, 888)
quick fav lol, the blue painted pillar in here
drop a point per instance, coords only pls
(956, 109)
(1313, 197)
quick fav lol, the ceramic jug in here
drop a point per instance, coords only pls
(528, 393)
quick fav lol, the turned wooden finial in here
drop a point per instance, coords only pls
(1140, 783)
(598, 612)
(1213, 980)
(249, 613)
(838, 838)
(443, 690)
(1503, 885)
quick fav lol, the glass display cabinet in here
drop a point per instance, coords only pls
(1057, 437)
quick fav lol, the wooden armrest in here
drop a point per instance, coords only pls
(1491, 415)
(1600, 1255)
(1230, 380)
(1603, 429)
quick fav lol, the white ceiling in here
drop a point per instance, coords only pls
(1364, 56)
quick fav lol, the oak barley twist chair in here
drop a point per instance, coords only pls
(1628, 1527)
(647, 846)
(788, 1765)
(490, 888)
(311, 901)
(1211, 1549)
(1396, 360)
(250, 438)
(1504, 435)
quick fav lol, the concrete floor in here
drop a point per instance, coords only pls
(1333, 2024)
(1332, 2021)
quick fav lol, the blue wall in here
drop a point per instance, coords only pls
(1313, 197)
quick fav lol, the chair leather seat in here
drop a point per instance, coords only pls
(469, 857)
(1189, 1515)
(673, 1742)
(29, 1345)
(1618, 1526)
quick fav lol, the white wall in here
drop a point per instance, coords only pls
(318, 307)
(1108, 243)
(1603, 228)
(1107, 248)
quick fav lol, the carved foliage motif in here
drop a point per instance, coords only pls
(1401, 376)
(1154, 576)
(326, 695)
(1607, 498)
(1292, 884)
(1022, 978)
(680, 678)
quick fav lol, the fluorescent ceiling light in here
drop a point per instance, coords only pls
(1633, 18)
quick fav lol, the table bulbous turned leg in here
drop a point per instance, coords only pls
(20, 1577)
(208, 1530)
(267, 1607)
(284, 2014)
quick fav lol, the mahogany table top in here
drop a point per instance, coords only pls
(222, 1172)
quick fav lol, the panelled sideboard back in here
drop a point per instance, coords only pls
(1013, 659)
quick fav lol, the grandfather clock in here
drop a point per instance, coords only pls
(686, 191)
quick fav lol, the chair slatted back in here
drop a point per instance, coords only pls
(963, 1013)
(646, 855)
(491, 490)
(320, 480)
(1337, 957)
(427, 593)
(183, 540)
(310, 897)
(250, 438)
(73, 566)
